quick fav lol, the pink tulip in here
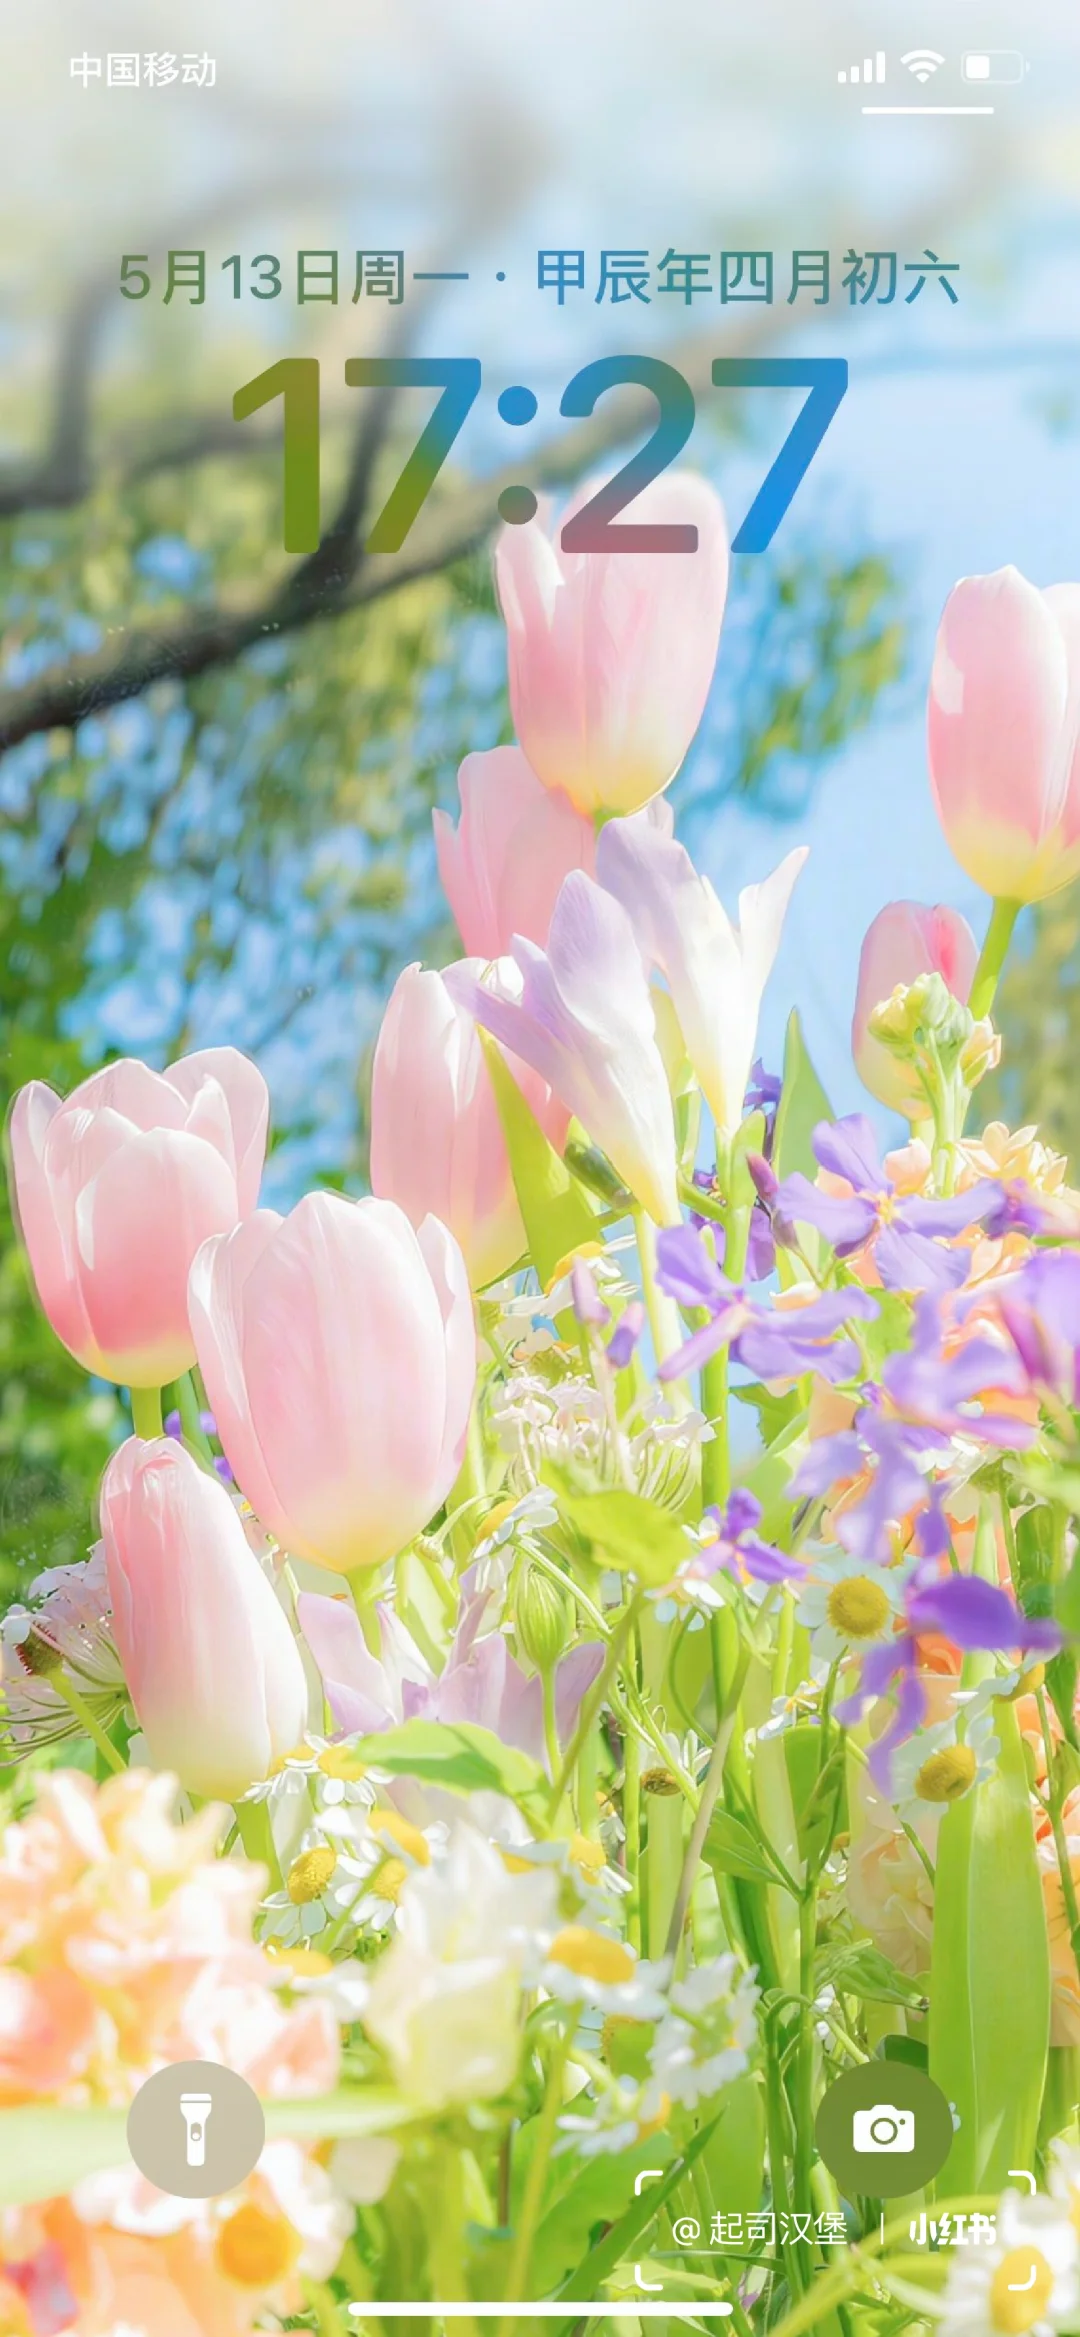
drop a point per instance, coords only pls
(612, 653)
(904, 941)
(115, 1189)
(437, 1146)
(338, 1349)
(1004, 733)
(215, 1674)
(502, 866)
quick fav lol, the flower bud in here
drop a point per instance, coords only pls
(543, 1618)
(981, 1052)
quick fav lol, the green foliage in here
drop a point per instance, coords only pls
(460, 1757)
(627, 1531)
(990, 1973)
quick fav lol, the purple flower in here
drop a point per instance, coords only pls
(771, 1343)
(940, 1392)
(625, 1336)
(173, 1425)
(897, 1487)
(760, 1247)
(736, 1547)
(907, 1251)
(962, 1608)
(1040, 1308)
(931, 1397)
(480, 1680)
(588, 1305)
(1017, 1210)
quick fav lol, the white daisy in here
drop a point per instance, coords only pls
(589, 1967)
(707, 2033)
(617, 2118)
(847, 1604)
(940, 1764)
(1026, 2285)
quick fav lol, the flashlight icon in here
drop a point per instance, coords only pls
(195, 2110)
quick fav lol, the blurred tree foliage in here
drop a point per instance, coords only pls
(246, 856)
(1038, 1014)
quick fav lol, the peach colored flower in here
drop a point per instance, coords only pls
(125, 1944)
(888, 1889)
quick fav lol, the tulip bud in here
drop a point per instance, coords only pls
(214, 1672)
(543, 1618)
(917, 964)
(1004, 739)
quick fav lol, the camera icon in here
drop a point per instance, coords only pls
(883, 2128)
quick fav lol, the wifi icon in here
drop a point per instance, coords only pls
(922, 62)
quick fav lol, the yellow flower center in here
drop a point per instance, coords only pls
(389, 1826)
(304, 1963)
(338, 1761)
(310, 1873)
(588, 1857)
(515, 1865)
(647, 2126)
(494, 1519)
(946, 1775)
(592, 1955)
(297, 1753)
(858, 1608)
(391, 1875)
(658, 1781)
(585, 1251)
(257, 2249)
(1015, 2306)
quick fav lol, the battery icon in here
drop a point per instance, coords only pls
(992, 65)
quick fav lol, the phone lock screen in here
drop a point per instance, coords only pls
(540, 1220)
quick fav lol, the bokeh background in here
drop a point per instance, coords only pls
(219, 763)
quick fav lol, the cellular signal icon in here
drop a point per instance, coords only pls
(922, 62)
(871, 69)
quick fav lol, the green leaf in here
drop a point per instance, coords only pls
(601, 2260)
(731, 1848)
(46, 2150)
(734, 2155)
(803, 1103)
(459, 1756)
(775, 1413)
(858, 1969)
(990, 1973)
(628, 1531)
(597, 2190)
(555, 1212)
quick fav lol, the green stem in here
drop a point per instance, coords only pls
(992, 957)
(716, 1455)
(803, 2104)
(662, 1311)
(517, 2276)
(188, 1406)
(86, 1719)
(146, 1412)
(632, 1824)
(714, 1778)
(591, 1706)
